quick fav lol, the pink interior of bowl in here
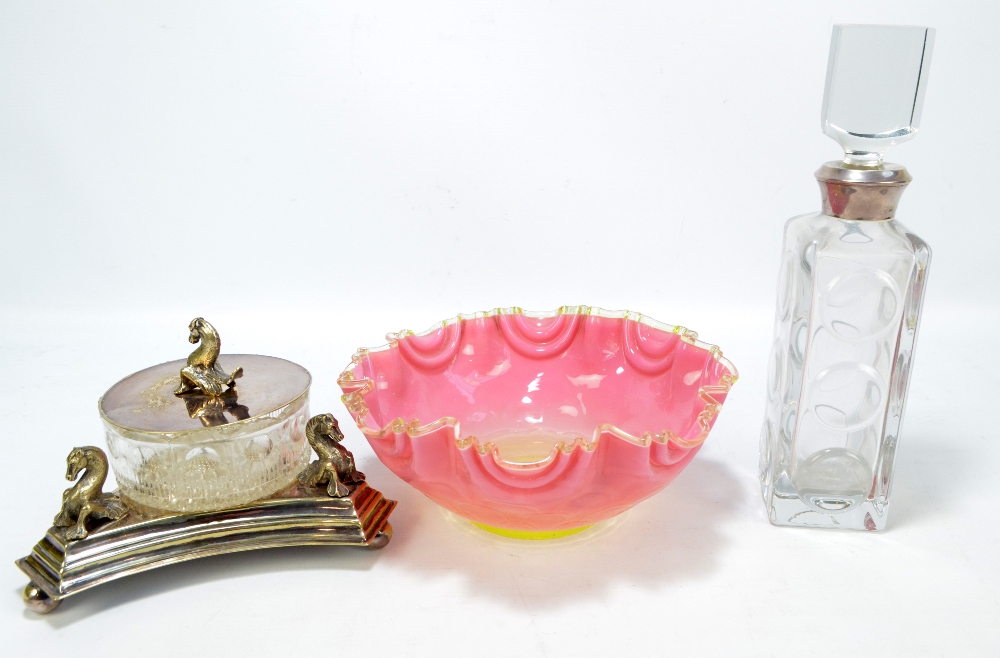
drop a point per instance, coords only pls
(527, 384)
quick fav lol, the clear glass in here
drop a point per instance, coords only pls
(220, 470)
(849, 299)
(875, 82)
(200, 453)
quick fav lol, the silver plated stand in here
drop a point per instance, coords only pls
(145, 539)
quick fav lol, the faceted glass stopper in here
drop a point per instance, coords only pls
(875, 82)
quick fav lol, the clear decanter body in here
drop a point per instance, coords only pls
(849, 298)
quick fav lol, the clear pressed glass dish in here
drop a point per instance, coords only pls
(538, 425)
(203, 453)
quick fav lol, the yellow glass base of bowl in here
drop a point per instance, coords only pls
(530, 534)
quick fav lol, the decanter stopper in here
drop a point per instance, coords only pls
(875, 83)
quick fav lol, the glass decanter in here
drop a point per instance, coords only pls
(850, 290)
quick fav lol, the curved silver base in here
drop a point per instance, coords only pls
(146, 539)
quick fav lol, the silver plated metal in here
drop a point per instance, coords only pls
(146, 539)
(861, 193)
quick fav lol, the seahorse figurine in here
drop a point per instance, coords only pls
(202, 373)
(86, 499)
(335, 466)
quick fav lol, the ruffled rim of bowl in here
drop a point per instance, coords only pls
(356, 389)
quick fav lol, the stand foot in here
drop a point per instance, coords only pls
(381, 539)
(38, 601)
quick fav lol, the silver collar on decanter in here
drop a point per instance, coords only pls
(861, 193)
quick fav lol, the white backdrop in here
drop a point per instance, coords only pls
(309, 176)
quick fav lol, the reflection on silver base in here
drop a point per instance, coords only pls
(145, 539)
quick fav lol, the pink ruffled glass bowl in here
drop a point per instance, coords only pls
(538, 425)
